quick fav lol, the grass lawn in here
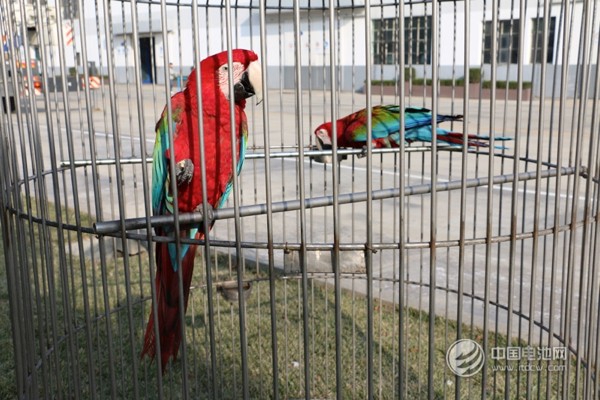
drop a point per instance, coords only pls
(7, 366)
(97, 305)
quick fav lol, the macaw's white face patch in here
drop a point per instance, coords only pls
(323, 137)
(223, 75)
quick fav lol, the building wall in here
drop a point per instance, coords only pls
(314, 52)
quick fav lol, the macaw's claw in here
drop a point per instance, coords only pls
(184, 171)
(363, 153)
(200, 209)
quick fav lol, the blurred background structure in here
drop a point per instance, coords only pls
(358, 275)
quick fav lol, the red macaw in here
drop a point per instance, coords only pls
(352, 129)
(185, 149)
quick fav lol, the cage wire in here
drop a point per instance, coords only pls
(346, 273)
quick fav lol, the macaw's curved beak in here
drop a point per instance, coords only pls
(243, 89)
(250, 84)
(323, 141)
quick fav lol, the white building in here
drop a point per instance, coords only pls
(314, 42)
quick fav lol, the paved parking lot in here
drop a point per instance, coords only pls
(540, 272)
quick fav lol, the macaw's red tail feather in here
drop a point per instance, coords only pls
(167, 294)
(457, 138)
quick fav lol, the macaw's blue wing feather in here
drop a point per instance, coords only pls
(454, 139)
(422, 134)
(420, 117)
(240, 163)
(418, 134)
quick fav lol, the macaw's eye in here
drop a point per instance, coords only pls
(225, 68)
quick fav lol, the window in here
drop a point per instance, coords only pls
(417, 40)
(537, 40)
(385, 41)
(508, 42)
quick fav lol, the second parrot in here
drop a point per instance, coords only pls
(385, 122)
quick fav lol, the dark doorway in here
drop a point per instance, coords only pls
(147, 59)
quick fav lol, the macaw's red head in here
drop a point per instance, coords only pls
(323, 134)
(246, 72)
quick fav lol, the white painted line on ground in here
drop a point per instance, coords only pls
(419, 177)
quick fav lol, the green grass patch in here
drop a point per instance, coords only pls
(7, 364)
(93, 315)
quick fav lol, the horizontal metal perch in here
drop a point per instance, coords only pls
(108, 227)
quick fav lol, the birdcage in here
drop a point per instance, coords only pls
(400, 268)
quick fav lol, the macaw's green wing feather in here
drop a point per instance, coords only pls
(162, 196)
(384, 122)
(162, 199)
(159, 165)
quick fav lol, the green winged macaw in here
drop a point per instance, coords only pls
(185, 150)
(385, 122)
